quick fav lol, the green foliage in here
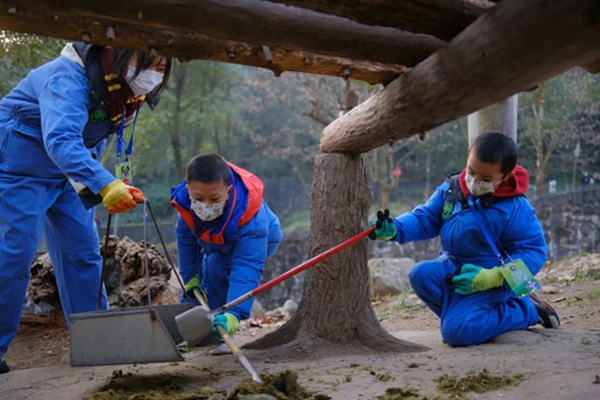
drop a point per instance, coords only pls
(20, 53)
(271, 126)
(555, 120)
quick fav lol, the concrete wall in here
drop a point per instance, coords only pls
(571, 222)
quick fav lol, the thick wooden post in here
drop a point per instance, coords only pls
(335, 306)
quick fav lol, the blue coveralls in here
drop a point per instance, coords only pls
(41, 125)
(227, 271)
(478, 317)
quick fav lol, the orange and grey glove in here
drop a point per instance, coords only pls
(117, 197)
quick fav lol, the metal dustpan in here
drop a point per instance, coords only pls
(127, 335)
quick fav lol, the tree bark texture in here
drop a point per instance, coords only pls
(248, 21)
(441, 18)
(335, 308)
(486, 63)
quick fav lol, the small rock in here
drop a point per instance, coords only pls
(389, 276)
(290, 306)
(257, 310)
(549, 289)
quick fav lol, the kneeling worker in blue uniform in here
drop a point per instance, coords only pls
(493, 245)
(53, 127)
(225, 233)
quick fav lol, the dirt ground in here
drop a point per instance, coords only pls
(548, 363)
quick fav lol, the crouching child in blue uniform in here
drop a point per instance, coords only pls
(225, 233)
(493, 245)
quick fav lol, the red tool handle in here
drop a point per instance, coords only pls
(288, 274)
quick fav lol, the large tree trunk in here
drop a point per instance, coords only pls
(335, 309)
(484, 64)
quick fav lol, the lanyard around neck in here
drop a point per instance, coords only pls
(478, 212)
(121, 142)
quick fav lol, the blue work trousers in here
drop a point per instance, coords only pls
(469, 319)
(28, 207)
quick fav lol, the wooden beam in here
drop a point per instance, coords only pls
(440, 18)
(249, 21)
(511, 48)
(195, 46)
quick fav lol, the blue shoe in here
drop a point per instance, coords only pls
(547, 316)
(4, 368)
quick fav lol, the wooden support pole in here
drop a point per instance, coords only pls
(509, 49)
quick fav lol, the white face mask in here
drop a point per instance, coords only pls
(207, 212)
(145, 82)
(479, 188)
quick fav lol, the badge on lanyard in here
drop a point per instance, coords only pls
(519, 278)
(123, 169)
(123, 172)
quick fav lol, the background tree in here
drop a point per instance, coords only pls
(20, 53)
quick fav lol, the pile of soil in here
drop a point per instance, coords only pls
(123, 275)
(282, 386)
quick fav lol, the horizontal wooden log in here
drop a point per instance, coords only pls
(592, 66)
(511, 48)
(195, 46)
(248, 21)
(440, 18)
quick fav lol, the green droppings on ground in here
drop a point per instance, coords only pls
(283, 386)
(398, 394)
(480, 383)
(385, 377)
(143, 387)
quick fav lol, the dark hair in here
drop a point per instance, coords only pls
(122, 56)
(208, 168)
(496, 148)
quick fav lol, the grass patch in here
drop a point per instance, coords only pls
(480, 383)
(592, 294)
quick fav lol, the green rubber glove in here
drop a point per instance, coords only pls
(191, 285)
(476, 279)
(227, 321)
(386, 230)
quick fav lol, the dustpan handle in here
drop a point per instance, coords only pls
(164, 246)
(106, 237)
(144, 217)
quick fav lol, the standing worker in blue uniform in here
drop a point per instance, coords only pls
(225, 233)
(53, 127)
(491, 240)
